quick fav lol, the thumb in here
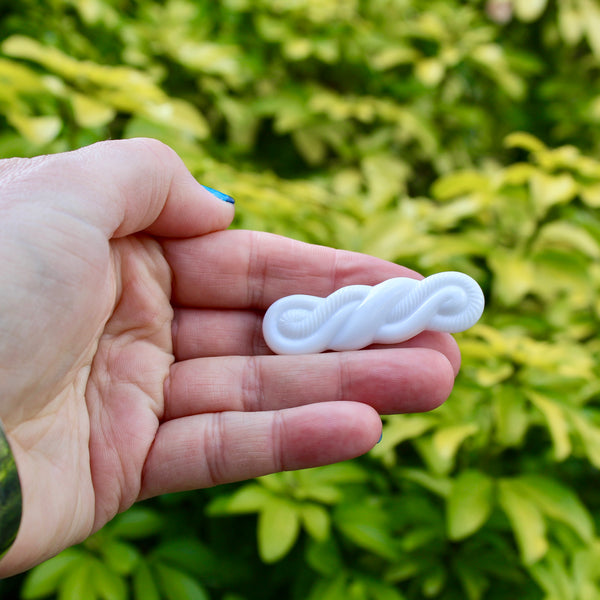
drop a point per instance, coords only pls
(127, 186)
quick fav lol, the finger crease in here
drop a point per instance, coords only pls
(278, 442)
(214, 449)
(252, 388)
(257, 272)
(259, 345)
(344, 376)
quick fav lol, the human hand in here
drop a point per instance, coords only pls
(131, 351)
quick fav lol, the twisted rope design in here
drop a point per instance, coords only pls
(359, 315)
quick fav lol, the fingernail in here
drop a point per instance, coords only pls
(380, 437)
(219, 195)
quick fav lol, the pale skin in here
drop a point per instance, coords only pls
(132, 362)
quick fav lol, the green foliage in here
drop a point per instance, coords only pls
(10, 495)
(442, 135)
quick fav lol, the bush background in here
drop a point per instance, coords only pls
(439, 134)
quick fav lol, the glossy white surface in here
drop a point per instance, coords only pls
(359, 315)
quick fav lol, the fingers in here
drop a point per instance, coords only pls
(391, 381)
(213, 332)
(246, 269)
(434, 340)
(206, 450)
(127, 186)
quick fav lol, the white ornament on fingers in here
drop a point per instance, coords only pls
(359, 315)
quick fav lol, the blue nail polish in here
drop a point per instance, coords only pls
(380, 437)
(219, 195)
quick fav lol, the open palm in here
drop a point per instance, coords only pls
(131, 351)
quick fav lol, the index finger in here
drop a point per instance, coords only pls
(250, 269)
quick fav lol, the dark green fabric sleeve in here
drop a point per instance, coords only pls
(11, 501)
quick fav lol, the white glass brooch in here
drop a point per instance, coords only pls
(359, 315)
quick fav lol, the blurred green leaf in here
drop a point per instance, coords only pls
(39, 130)
(44, 579)
(316, 520)
(458, 184)
(529, 10)
(247, 499)
(367, 525)
(554, 578)
(121, 557)
(512, 418)
(278, 528)
(549, 190)
(558, 424)
(137, 522)
(526, 519)
(524, 140)
(177, 585)
(437, 484)
(434, 582)
(324, 557)
(330, 589)
(89, 112)
(76, 583)
(469, 504)
(187, 553)
(399, 428)
(558, 502)
(144, 584)
(590, 437)
(108, 584)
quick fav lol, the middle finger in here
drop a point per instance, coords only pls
(391, 381)
(199, 333)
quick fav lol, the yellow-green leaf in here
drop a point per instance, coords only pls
(180, 115)
(512, 418)
(549, 190)
(562, 234)
(447, 440)
(590, 194)
(392, 56)
(590, 437)
(90, 112)
(469, 504)
(278, 528)
(558, 424)
(76, 583)
(310, 145)
(440, 449)
(108, 584)
(144, 584)
(177, 585)
(559, 502)
(514, 276)
(526, 141)
(430, 71)
(571, 23)
(17, 77)
(529, 10)
(526, 519)
(316, 520)
(591, 12)
(250, 498)
(44, 579)
(368, 526)
(460, 183)
(38, 130)
(399, 428)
